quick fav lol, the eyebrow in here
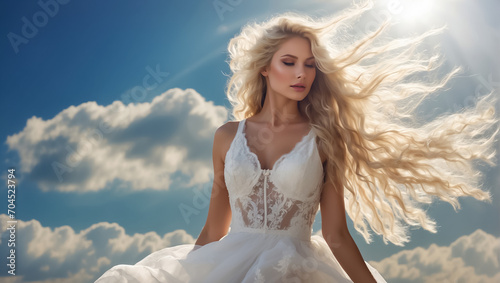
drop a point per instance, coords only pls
(289, 55)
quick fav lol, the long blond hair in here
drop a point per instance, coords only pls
(361, 107)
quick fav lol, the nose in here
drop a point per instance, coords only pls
(300, 72)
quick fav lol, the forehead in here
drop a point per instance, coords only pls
(296, 46)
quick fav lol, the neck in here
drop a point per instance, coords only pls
(279, 110)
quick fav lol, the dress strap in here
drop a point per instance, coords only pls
(240, 126)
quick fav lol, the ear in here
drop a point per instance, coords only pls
(264, 71)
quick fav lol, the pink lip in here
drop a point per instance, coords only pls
(298, 87)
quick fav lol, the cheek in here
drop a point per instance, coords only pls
(311, 75)
(281, 72)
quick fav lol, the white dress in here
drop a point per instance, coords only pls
(270, 236)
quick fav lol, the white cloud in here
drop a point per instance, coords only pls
(86, 147)
(63, 255)
(472, 258)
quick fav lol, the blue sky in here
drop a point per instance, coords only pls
(127, 95)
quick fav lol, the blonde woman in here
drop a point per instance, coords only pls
(321, 126)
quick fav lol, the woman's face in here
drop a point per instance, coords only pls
(292, 69)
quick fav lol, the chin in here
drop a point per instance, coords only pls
(303, 95)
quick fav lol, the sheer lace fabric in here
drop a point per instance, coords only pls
(284, 199)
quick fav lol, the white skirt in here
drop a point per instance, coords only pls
(238, 257)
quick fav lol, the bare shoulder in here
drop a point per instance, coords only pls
(226, 132)
(224, 136)
(228, 129)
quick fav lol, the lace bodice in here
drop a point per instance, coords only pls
(283, 199)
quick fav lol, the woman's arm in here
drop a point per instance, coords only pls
(337, 236)
(219, 211)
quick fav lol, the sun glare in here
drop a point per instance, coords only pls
(417, 10)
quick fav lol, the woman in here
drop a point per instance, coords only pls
(319, 126)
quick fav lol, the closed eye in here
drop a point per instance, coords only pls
(291, 64)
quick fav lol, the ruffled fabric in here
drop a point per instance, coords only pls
(238, 257)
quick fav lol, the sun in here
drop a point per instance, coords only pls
(417, 10)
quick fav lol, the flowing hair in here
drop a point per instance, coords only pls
(362, 107)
